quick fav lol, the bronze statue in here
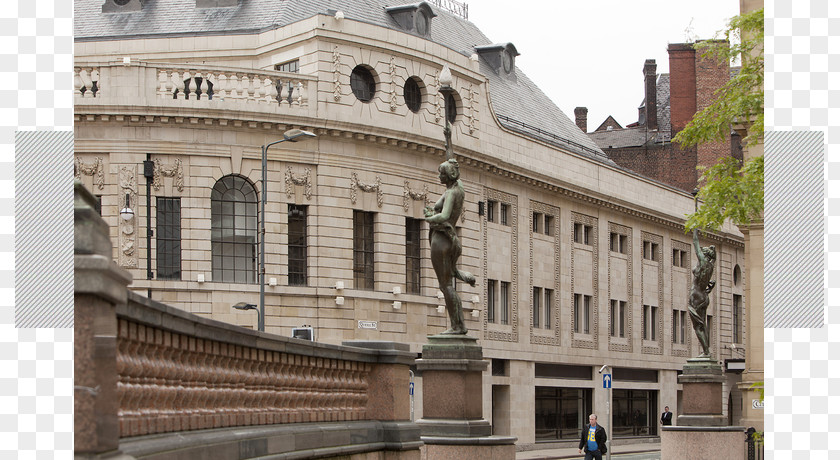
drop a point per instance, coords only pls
(702, 285)
(445, 244)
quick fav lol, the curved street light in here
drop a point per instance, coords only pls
(292, 135)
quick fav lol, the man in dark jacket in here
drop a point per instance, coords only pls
(666, 417)
(593, 440)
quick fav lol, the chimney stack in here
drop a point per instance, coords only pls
(580, 117)
(683, 85)
(650, 94)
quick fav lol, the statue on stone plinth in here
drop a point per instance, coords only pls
(702, 285)
(445, 244)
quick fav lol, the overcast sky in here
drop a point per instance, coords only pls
(590, 53)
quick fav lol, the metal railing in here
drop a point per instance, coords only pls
(755, 448)
(457, 8)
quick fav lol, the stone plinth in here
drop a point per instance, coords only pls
(702, 404)
(703, 443)
(453, 426)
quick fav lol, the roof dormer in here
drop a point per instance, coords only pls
(415, 18)
(122, 6)
(501, 57)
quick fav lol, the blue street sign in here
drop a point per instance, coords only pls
(411, 389)
(607, 380)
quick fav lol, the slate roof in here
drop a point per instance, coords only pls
(521, 105)
(636, 136)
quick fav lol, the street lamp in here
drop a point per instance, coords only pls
(127, 213)
(245, 306)
(292, 135)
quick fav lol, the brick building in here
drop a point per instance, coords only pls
(580, 262)
(671, 100)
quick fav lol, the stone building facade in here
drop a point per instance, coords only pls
(579, 262)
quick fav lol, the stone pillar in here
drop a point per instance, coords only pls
(453, 425)
(701, 431)
(389, 400)
(99, 286)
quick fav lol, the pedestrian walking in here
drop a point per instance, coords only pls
(593, 439)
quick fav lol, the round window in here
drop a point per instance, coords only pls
(422, 23)
(507, 61)
(362, 83)
(412, 94)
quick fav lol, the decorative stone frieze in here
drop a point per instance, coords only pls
(409, 195)
(172, 170)
(589, 340)
(553, 211)
(95, 169)
(336, 75)
(375, 187)
(511, 332)
(305, 180)
(127, 228)
(392, 70)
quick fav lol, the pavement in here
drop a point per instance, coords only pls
(640, 451)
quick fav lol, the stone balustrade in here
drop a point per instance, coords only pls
(171, 381)
(196, 83)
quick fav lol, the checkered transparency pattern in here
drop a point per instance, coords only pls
(36, 388)
(803, 93)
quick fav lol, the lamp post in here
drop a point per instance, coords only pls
(446, 90)
(292, 135)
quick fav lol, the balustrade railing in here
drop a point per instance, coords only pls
(200, 83)
(169, 381)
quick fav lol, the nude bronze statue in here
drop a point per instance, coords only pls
(445, 244)
(702, 285)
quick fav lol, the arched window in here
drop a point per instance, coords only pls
(233, 215)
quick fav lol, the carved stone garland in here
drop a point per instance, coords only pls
(438, 99)
(392, 69)
(472, 100)
(94, 169)
(304, 180)
(409, 195)
(336, 75)
(173, 170)
(128, 235)
(355, 184)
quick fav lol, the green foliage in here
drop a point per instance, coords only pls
(730, 192)
(741, 99)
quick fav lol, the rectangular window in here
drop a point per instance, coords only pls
(549, 303)
(97, 205)
(412, 255)
(536, 307)
(491, 301)
(678, 327)
(618, 243)
(168, 238)
(638, 411)
(587, 300)
(538, 222)
(503, 213)
(709, 330)
(736, 318)
(680, 258)
(298, 265)
(549, 225)
(504, 304)
(560, 412)
(649, 322)
(363, 250)
(583, 234)
(491, 211)
(582, 313)
(650, 251)
(618, 313)
(289, 66)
